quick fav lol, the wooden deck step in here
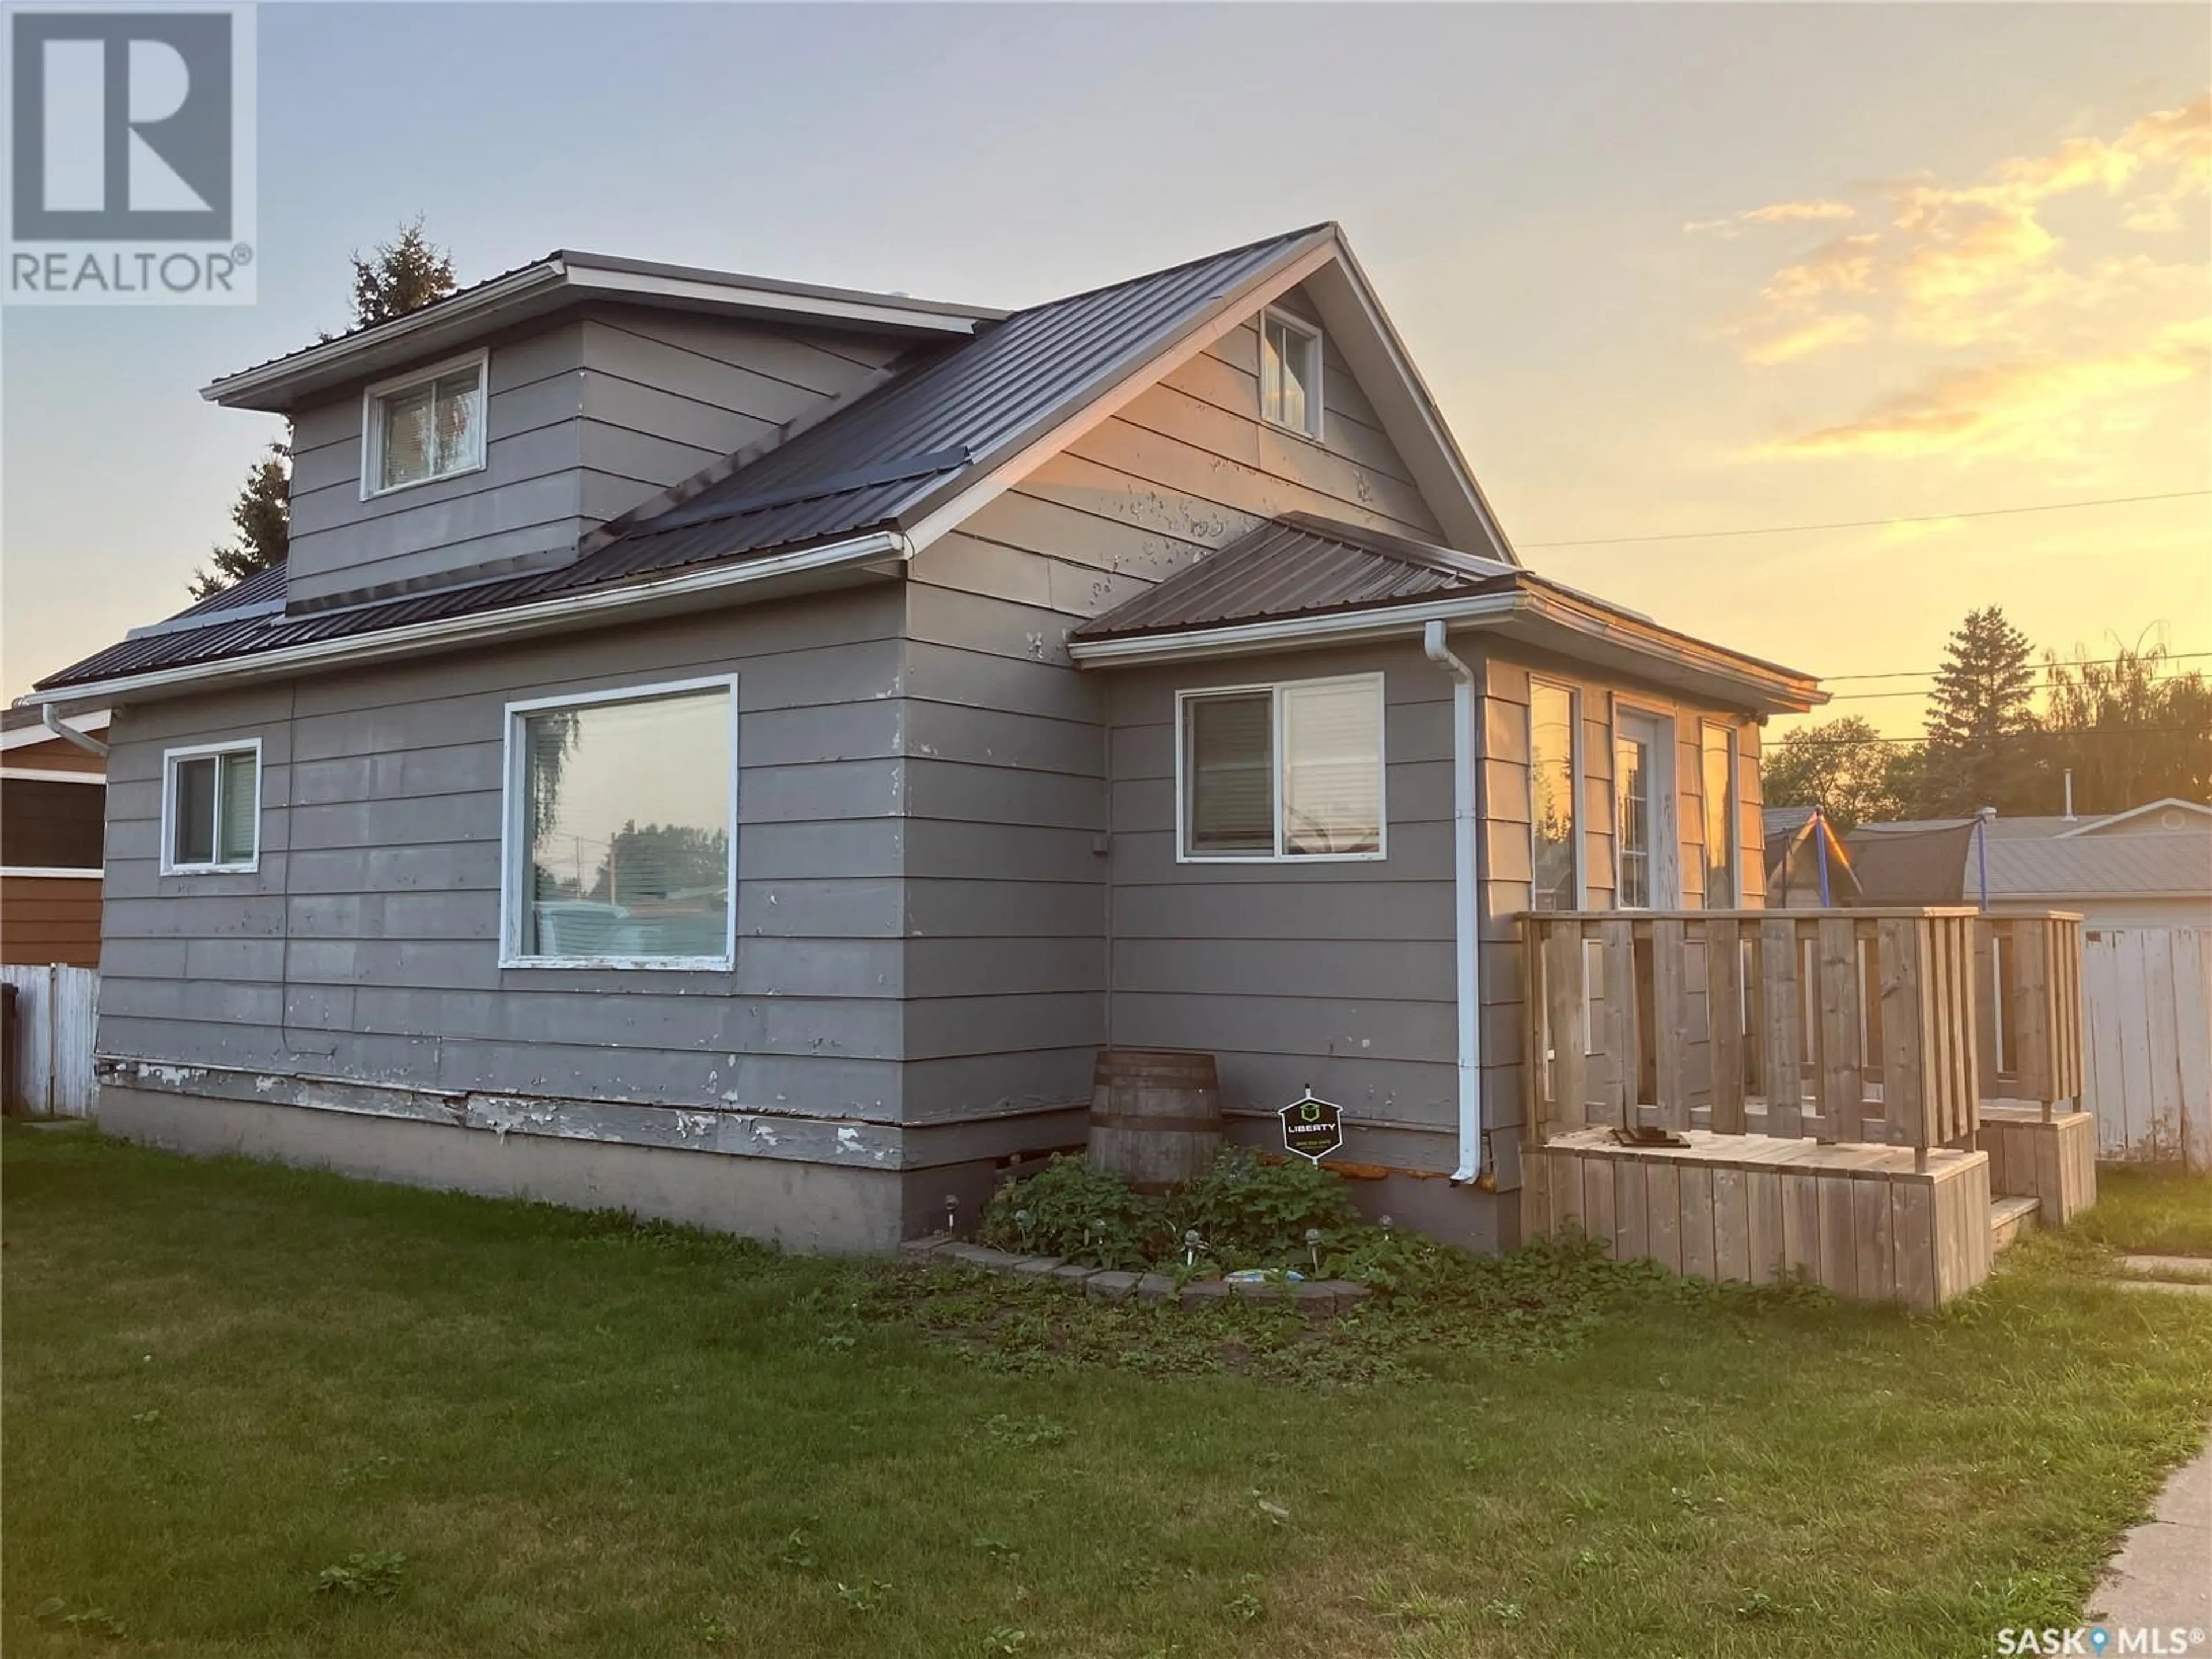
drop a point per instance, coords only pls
(2008, 1217)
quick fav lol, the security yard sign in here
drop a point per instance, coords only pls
(1312, 1128)
(131, 172)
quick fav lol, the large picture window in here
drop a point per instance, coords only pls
(1716, 751)
(1284, 771)
(211, 809)
(1554, 857)
(622, 829)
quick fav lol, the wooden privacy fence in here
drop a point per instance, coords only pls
(50, 1050)
(2147, 995)
(1854, 1026)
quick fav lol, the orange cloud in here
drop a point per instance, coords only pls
(1779, 213)
(2022, 408)
(1844, 328)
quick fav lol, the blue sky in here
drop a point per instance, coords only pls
(1668, 268)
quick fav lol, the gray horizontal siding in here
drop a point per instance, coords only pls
(367, 943)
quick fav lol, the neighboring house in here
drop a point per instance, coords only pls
(738, 749)
(1806, 865)
(52, 818)
(2150, 867)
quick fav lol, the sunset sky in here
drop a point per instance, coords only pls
(1668, 270)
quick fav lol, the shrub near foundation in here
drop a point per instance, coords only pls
(1248, 1211)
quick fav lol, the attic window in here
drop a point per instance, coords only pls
(1289, 374)
(425, 426)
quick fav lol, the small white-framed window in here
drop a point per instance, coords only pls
(1555, 859)
(211, 809)
(1290, 770)
(1716, 753)
(1289, 374)
(620, 847)
(424, 425)
(1645, 842)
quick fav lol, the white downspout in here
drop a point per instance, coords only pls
(52, 719)
(1467, 760)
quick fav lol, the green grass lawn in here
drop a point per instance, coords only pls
(2152, 1210)
(587, 1437)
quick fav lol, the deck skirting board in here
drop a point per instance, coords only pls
(1863, 1221)
(2054, 1162)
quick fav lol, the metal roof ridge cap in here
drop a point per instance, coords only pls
(192, 622)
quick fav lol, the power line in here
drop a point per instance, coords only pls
(1869, 523)
(2086, 662)
(1804, 739)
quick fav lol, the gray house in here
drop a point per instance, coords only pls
(737, 750)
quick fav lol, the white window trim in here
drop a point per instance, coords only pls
(1666, 846)
(1575, 782)
(371, 427)
(513, 838)
(1316, 410)
(1275, 688)
(1731, 805)
(169, 759)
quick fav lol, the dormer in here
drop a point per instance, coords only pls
(489, 433)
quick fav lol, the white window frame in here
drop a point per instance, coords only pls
(1315, 409)
(170, 757)
(1666, 851)
(1733, 822)
(1575, 783)
(1275, 690)
(372, 421)
(514, 839)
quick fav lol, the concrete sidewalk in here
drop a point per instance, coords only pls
(2161, 1579)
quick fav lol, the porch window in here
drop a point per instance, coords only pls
(211, 809)
(1555, 864)
(1643, 815)
(1716, 749)
(425, 426)
(1293, 770)
(1289, 374)
(622, 829)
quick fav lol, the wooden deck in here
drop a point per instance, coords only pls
(1876, 1223)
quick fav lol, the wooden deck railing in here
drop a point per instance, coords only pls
(1849, 1026)
(2028, 988)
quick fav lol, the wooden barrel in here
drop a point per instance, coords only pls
(1155, 1115)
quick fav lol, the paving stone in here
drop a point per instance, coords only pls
(1075, 1272)
(1207, 1293)
(1035, 1266)
(1265, 1290)
(2170, 1286)
(1112, 1285)
(925, 1246)
(1156, 1287)
(978, 1256)
(2184, 1268)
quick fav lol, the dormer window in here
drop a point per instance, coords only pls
(1289, 374)
(423, 426)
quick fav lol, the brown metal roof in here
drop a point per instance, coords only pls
(882, 462)
(1298, 565)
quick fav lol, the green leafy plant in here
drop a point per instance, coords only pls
(54, 1613)
(359, 1574)
(865, 1596)
(1069, 1209)
(1257, 1212)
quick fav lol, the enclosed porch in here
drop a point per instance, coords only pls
(1871, 1100)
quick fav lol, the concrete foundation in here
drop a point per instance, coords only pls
(799, 1205)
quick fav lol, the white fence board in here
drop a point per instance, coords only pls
(2148, 1080)
(57, 1014)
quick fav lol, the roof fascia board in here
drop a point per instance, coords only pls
(1593, 621)
(395, 341)
(29, 736)
(603, 281)
(2159, 806)
(1532, 617)
(1355, 319)
(1030, 448)
(545, 616)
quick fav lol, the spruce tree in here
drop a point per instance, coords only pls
(402, 275)
(1980, 726)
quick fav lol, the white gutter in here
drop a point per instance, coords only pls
(1291, 633)
(52, 718)
(543, 616)
(1467, 762)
